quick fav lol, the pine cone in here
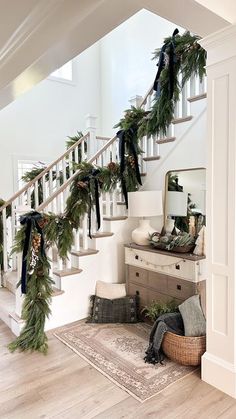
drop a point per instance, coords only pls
(82, 185)
(112, 166)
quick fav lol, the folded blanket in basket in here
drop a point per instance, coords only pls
(169, 322)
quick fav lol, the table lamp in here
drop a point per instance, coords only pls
(144, 204)
(176, 206)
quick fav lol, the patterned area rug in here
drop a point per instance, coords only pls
(117, 351)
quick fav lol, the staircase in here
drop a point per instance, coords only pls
(99, 257)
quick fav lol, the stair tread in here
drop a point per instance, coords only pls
(66, 271)
(57, 291)
(15, 316)
(143, 174)
(197, 97)
(121, 203)
(180, 120)
(115, 218)
(166, 140)
(84, 252)
(101, 235)
(151, 158)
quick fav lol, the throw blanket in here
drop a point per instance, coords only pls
(169, 322)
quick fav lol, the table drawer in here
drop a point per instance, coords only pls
(138, 275)
(164, 264)
(181, 289)
(133, 289)
(158, 282)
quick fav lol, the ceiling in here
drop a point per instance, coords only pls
(38, 36)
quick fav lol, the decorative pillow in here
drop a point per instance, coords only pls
(193, 317)
(110, 291)
(120, 310)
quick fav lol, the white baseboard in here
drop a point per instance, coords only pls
(219, 373)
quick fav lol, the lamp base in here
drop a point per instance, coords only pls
(141, 234)
(169, 225)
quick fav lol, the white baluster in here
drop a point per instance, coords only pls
(108, 204)
(71, 164)
(184, 101)
(113, 152)
(68, 261)
(202, 88)
(44, 188)
(4, 226)
(50, 256)
(83, 154)
(64, 197)
(13, 232)
(76, 240)
(101, 211)
(28, 200)
(58, 186)
(76, 153)
(59, 264)
(114, 203)
(192, 86)
(85, 231)
(36, 194)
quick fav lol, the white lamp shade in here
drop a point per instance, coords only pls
(145, 203)
(177, 203)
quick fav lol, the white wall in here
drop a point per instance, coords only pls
(37, 123)
(188, 151)
(127, 68)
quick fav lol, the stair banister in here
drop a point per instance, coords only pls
(45, 171)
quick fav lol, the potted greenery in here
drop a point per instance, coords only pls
(157, 308)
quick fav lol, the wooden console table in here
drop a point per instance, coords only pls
(163, 275)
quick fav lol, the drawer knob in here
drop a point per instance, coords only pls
(177, 267)
(179, 287)
(136, 256)
(137, 274)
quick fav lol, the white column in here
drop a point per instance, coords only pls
(219, 361)
(91, 128)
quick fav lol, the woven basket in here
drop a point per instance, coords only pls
(185, 350)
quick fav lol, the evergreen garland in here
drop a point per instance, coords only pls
(190, 59)
(36, 305)
(58, 229)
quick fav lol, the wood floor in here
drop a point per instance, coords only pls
(63, 385)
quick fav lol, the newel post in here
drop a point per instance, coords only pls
(136, 101)
(91, 128)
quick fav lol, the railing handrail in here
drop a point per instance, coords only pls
(45, 171)
(91, 160)
(68, 151)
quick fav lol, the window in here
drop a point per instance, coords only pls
(64, 73)
(24, 166)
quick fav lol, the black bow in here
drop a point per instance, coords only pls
(161, 65)
(93, 177)
(31, 220)
(122, 135)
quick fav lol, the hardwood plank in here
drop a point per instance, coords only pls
(63, 385)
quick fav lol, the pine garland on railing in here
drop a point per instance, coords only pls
(91, 181)
(35, 284)
(189, 59)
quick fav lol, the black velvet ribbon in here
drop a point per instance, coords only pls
(123, 135)
(161, 65)
(31, 221)
(92, 177)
